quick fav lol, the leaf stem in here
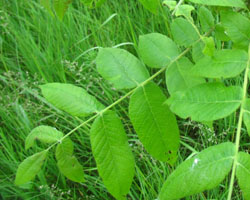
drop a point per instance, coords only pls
(237, 141)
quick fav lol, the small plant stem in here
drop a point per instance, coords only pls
(237, 141)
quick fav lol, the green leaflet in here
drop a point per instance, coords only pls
(237, 28)
(151, 5)
(243, 173)
(220, 33)
(71, 168)
(224, 64)
(203, 172)
(29, 168)
(157, 50)
(246, 115)
(185, 10)
(68, 164)
(60, 7)
(206, 19)
(72, 99)
(209, 46)
(206, 102)
(197, 51)
(183, 32)
(121, 68)
(228, 3)
(114, 158)
(65, 148)
(155, 125)
(45, 134)
(170, 4)
(178, 76)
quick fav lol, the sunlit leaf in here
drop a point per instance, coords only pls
(227, 3)
(112, 153)
(155, 125)
(243, 173)
(203, 172)
(157, 50)
(179, 78)
(206, 102)
(45, 134)
(29, 168)
(72, 99)
(121, 68)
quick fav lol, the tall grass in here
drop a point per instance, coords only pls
(36, 48)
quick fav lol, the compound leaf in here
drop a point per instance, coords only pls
(243, 173)
(157, 50)
(237, 28)
(121, 68)
(45, 134)
(178, 76)
(155, 125)
(60, 7)
(71, 168)
(72, 99)
(206, 102)
(225, 63)
(203, 172)
(29, 168)
(206, 19)
(151, 5)
(246, 115)
(227, 3)
(112, 153)
(183, 32)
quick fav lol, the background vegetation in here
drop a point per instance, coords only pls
(36, 48)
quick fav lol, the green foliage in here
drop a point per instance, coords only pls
(155, 125)
(224, 64)
(206, 102)
(45, 134)
(183, 32)
(237, 28)
(243, 173)
(112, 153)
(151, 5)
(157, 50)
(229, 3)
(206, 19)
(209, 46)
(204, 171)
(60, 7)
(197, 91)
(29, 168)
(93, 3)
(179, 77)
(77, 102)
(121, 68)
(246, 115)
(71, 168)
